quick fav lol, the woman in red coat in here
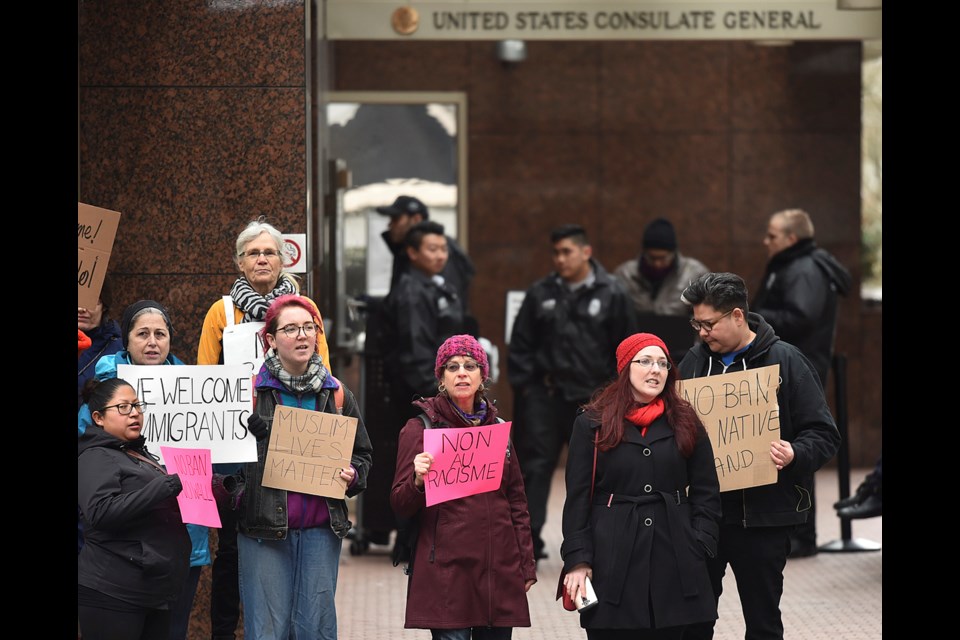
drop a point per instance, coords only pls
(643, 502)
(473, 561)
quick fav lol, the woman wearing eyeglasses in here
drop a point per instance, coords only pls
(289, 542)
(229, 334)
(643, 502)
(146, 332)
(134, 563)
(472, 563)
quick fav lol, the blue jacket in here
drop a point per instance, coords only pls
(106, 369)
(263, 510)
(105, 341)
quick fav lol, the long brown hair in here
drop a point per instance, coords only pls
(610, 405)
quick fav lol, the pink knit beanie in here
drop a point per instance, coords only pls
(461, 345)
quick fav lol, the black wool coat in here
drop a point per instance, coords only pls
(647, 530)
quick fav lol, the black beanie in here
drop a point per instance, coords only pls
(136, 308)
(659, 234)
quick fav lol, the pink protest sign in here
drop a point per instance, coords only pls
(197, 505)
(465, 461)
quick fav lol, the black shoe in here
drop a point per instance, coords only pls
(871, 507)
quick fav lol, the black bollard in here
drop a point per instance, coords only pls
(847, 542)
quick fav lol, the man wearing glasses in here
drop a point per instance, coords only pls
(799, 297)
(757, 522)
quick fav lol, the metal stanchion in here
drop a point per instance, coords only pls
(846, 543)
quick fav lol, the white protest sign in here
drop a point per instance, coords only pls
(196, 406)
(742, 417)
(295, 252)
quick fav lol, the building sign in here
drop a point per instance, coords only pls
(598, 20)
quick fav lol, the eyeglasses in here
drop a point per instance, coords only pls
(708, 325)
(647, 363)
(293, 331)
(125, 408)
(253, 254)
(453, 367)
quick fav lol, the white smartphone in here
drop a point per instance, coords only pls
(584, 603)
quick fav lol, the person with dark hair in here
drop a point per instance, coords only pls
(404, 213)
(757, 521)
(799, 298)
(655, 280)
(420, 312)
(643, 502)
(231, 324)
(561, 350)
(290, 542)
(133, 567)
(104, 335)
(473, 562)
(657, 277)
(146, 332)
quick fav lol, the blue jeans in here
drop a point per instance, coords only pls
(288, 586)
(476, 633)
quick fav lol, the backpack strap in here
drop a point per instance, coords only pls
(338, 395)
(228, 310)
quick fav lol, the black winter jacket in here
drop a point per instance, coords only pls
(647, 529)
(805, 422)
(137, 548)
(569, 339)
(798, 297)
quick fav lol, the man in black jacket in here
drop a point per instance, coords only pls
(563, 347)
(404, 213)
(799, 299)
(756, 522)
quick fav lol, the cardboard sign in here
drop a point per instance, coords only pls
(96, 231)
(742, 417)
(196, 406)
(466, 461)
(307, 449)
(197, 505)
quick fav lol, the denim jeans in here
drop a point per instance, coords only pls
(476, 633)
(288, 586)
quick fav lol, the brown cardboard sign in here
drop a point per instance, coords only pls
(307, 449)
(742, 416)
(96, 231)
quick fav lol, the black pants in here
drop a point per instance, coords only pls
(546, 421)
(181, 609)
(225, 580)
(670, 633)
(757, 556)
(106, 624)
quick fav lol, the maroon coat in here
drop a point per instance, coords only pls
(474, 554)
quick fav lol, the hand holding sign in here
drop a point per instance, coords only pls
(464, 461)
(421, 465)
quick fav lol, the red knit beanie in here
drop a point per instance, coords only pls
(632, 345)
(461, 345)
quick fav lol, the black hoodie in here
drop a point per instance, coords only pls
(798, 297)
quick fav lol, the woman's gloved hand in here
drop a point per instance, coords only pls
(257, 426)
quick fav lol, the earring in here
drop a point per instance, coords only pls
(442, 388)
(481, 389)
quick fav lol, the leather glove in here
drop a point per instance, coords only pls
(257, 426)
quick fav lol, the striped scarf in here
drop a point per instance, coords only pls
(311, 381)
(254, 305)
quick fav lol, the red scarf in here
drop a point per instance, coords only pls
(644, 415)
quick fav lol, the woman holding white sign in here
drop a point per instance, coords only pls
(231, 335)
(472, 563)
(643, 503)
(146, 331)
(290, 541)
